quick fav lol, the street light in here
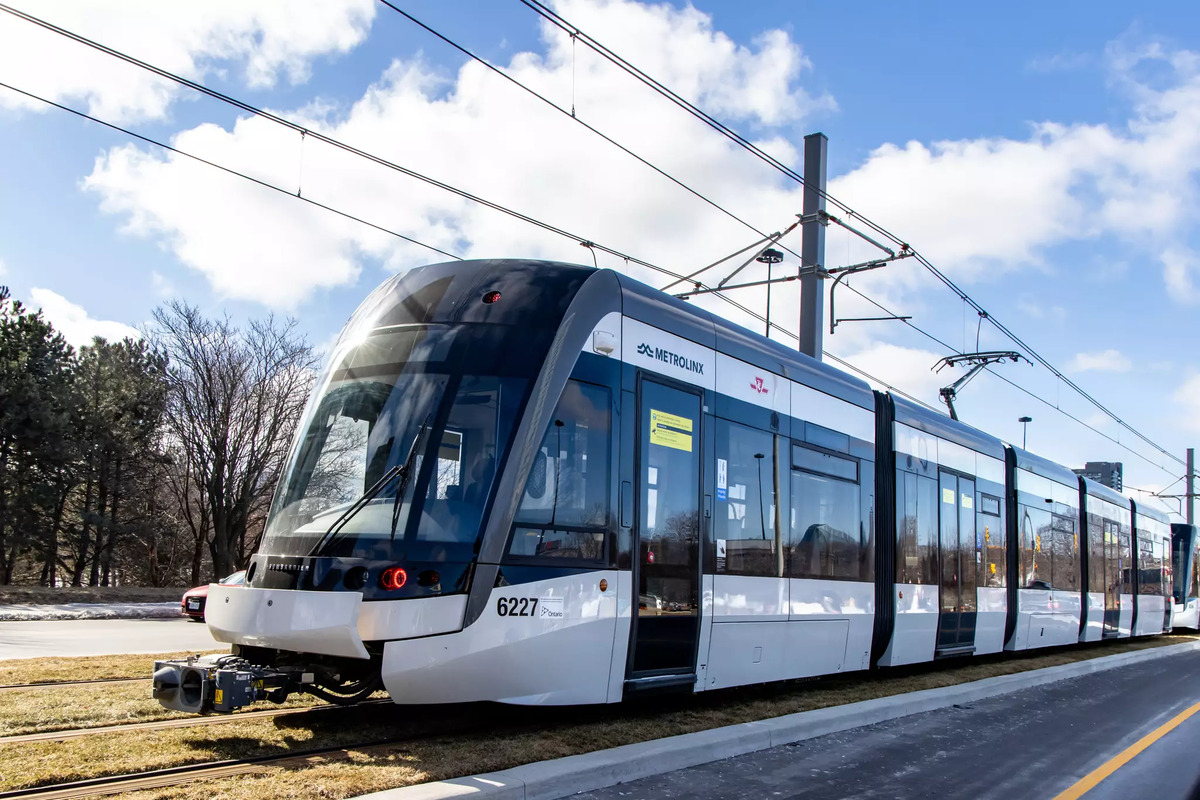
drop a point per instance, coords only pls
(1024, 429)
(769, 257)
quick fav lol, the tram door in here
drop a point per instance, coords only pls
(666, 626)
(958, 548)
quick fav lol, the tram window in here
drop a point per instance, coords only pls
(564, 510)
(824, 463)
(467, 451)
(1149, 566)
(1194, 590)
(747, 509)
(1066, 553)
(340, 473)
(917, 520)
(828, 536)
(989, 505)
(1037, 559)
(1126, 563)
(1095, 537)
(548, 543)
(1168, 569)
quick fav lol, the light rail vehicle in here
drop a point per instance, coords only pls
(538, 483)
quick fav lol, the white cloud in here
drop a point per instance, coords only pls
(1181, 266)
(908, 369)
(977, 206)
(474, 131)
(73, 322)
(265, 40)
(1104, 361)
(1187, 398)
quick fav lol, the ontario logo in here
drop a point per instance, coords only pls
(667, 357)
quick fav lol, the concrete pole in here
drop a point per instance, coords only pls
(1191, 475)
(812, 286)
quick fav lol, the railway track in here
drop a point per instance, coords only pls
(174, 776)
(188, 722)
(63, 684)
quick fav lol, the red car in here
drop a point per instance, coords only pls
(192, 604)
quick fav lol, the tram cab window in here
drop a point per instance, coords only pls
(830, 535)
(748, 515)
(564, 510)
(464, 462)
(916, 529)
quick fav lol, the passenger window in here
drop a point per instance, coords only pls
(747, 511)
(564, 510)
(828, 536)
(989, 505)
(917, 520)
(1066, 554)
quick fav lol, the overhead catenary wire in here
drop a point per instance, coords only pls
(572, 115)
(1012, 383)
(228, 170)
(562, 23)
(331, 141)
(304, 131)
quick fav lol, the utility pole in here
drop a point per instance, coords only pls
(812, 286)
(1192, 473)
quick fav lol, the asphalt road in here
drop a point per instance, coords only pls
(98, 637)
(1038, 743)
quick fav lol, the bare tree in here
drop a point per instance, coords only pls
(235, 398)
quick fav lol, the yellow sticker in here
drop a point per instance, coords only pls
(670, 430)
(948, 496)
(968, 501)
(219, 696)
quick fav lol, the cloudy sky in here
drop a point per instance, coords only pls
(1044, 156)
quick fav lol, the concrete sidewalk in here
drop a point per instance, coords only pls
(565, 776)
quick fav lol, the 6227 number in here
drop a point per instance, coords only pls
(516, 606)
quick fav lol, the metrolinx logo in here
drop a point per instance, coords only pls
(674, 359)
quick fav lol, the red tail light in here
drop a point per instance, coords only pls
(393, 578)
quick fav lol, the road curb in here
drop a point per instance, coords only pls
(559, 777)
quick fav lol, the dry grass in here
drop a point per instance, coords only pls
(95, 706)
(453, 741)
(13, 595)
(45, 670)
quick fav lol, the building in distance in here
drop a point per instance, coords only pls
(1105, 472)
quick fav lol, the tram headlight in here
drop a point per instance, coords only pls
(393, 578)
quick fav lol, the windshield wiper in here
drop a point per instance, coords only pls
(355, 507)
(401, 470)
(407, 471)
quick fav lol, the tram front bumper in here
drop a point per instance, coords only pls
(324, 623)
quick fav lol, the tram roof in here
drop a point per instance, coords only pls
(1044, 467)
(942, 426)
(1099, 490)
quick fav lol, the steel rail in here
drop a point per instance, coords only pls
(56, 684)
(161, 724)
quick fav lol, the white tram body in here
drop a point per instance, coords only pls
(538, 483)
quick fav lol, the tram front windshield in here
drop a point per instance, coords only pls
(423, 396)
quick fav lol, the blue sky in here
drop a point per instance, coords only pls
(1043, 155)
